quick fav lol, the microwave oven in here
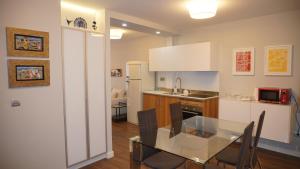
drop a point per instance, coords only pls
(274, 95)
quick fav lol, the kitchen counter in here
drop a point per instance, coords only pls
(165, 93)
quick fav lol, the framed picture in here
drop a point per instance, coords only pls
(116, 73)
(27, 43)
(25, 73)
(278, 60)
(243, 60)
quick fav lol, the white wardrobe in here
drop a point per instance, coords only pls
(84, 94)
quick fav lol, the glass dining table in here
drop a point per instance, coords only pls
(200, 138)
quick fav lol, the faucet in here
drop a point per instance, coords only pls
(178, 78)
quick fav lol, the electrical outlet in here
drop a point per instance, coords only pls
(15, 103)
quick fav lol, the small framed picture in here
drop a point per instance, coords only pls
(116, 73)
(27, 43)
(243, 60)
(26, 73)
(278, 60)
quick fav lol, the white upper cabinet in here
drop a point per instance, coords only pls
(190, 57)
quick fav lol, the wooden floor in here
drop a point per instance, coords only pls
(122, 131)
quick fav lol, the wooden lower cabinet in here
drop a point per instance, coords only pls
(168, 101)
(155, 102)
(162, 106)
(211, 108)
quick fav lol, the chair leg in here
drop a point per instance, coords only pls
(259, 164)
(258, 161)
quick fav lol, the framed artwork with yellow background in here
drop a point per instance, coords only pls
(27, 43)
(27, 73)
(278, 60)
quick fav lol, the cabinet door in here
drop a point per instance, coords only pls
(159, 60)
(95, 66)
(167, 111)
(210, 108)
(160, 111)
(189, 57)
(235, 110)
(192, 57)
(74, 95)
(150, 101)
(277, 122)
(157, 103)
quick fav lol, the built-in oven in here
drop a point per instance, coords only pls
(189, 111)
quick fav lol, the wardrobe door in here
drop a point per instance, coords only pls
(95, 53)
(74, 95)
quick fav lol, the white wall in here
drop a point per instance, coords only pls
(255, 32)
(32, 135)
(131, 50)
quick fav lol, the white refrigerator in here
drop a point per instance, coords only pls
(138, 79)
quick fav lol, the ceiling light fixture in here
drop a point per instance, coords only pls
(202, 9)
(78, 8)
(124, 24)
(116, 33)
(157, 32)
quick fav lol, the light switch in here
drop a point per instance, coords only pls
(15, 103)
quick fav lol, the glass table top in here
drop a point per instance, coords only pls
(200, 138)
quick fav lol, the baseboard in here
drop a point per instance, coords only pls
(109, 154)
(88, 162)
(294, 153)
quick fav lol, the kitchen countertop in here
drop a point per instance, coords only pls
(165, 93)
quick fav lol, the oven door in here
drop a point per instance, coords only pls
(188, 114)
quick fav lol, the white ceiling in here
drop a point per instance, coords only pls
(130, 34)
(172, 13)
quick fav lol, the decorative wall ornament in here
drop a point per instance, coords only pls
(69, 21)
(116, 73)
(26, 73)
(27, 43)
(243, 61)
(94, 25)
(80, 23)
(278, 60)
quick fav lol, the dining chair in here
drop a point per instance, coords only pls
(176, 118)
(152, 157)
(244, 151)
(230, 155)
